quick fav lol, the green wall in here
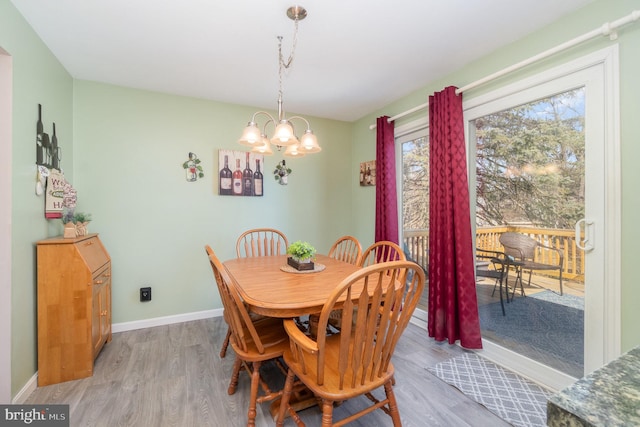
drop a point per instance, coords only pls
(38, 78)
(577, 24)
(131, 145)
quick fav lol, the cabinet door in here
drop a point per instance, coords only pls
(96, 316)
(105, 309)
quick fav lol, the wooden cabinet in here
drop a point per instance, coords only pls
(74, 306)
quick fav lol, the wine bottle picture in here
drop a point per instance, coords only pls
(226, 177)
(237, 180)
(247, 179)
(257, 180)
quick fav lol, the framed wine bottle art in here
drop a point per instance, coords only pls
(240, 173)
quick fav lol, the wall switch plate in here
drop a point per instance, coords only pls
(145, 294)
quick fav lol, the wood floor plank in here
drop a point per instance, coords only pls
(173, 376)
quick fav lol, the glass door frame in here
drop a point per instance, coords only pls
(602, 319)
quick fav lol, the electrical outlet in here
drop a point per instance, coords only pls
(145, 294)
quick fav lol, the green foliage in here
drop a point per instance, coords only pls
(530, 163)
(415, 184)
(81, 217)
(281, 170)
(301, 251)
(75, 217)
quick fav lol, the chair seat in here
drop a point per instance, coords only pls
(331, 388)
(273, 337)
(539, 266)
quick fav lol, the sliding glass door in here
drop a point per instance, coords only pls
(540, 160)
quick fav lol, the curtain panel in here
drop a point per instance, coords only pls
(453, 306)
(386, 227)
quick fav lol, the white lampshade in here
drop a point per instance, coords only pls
(251, 135)
(283, 136)
(293, 151)
(309, 143)
(264, 148)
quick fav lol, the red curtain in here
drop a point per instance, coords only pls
(386, 195)
(453, 306)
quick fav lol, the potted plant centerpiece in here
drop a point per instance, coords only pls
(301, 255)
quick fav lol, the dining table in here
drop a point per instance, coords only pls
(270, 287)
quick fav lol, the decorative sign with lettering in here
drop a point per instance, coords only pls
(54, 196)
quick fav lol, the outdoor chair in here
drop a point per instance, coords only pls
(527, 253)
(261, 242)
(377, 307)
(493, 265)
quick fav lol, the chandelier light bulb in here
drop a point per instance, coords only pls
(283, 135)
(293, 151)
(251, 135)
(309, 143)
(264, 147)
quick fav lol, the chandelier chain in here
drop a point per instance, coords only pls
(282, 64)
(284, 132)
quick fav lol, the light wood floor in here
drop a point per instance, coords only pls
(172, 376)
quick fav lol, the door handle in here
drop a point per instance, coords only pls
(588, 243)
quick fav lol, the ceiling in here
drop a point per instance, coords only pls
(352, 57)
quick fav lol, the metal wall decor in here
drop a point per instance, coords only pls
(281, 173)
(192, 168)
(48, 152)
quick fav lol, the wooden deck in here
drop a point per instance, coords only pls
(538, 284)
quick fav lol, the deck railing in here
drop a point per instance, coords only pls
(416, 244)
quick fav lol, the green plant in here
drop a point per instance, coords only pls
(301, 251)
(80, 217)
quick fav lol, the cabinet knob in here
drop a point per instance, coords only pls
(99, 282)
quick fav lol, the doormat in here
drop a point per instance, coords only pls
(511, 397)
(566, 299)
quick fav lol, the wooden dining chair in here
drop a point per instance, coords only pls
(261, 242)
(347, 249)
(253, 243)
(225, 343)
(382, 251)
(357, 360)
(254, 342)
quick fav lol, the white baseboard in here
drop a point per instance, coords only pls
(32, 384)
(26, 390)
(166, 320)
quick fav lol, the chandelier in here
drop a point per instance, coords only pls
(255, 136)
